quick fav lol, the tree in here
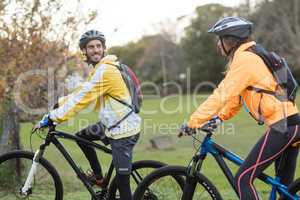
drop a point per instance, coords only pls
(199, 46)
(277, 27)
(155, 58)
(30, 39)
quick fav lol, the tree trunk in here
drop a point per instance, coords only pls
(10, 128)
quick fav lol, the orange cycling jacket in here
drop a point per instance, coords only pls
(245, 69)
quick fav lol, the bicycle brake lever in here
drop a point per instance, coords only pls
(206, 129)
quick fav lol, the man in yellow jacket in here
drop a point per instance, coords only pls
(118, 125)
(282, 118)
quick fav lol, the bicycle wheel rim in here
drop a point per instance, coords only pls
(163, 184)
(14, 170)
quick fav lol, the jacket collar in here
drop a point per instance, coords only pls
(109, 59)
(241, 48)
(244, 47)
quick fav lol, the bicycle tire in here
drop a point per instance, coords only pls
(136, 167)
(294, 188)
(146, 190)
(11, 185)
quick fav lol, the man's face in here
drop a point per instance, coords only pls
(94, 51)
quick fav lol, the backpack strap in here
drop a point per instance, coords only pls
(127, 115)
(260, 90)
(260, 121)
(119, 122)
(122, 102)
(270, 92)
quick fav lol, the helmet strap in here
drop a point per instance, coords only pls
(231, 49)
(223, 46)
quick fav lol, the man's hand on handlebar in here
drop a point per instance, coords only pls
(43, 123)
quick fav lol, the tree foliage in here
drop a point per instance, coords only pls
(199, 47)
(277, 26)
(155, 58)
(31, 39)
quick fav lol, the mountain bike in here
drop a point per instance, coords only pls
(28, 175)
(160, 184)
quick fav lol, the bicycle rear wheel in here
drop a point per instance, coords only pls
(139, 170)
(14, 169)
(164, 184)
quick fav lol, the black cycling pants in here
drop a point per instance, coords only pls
(91, 133)
(121, 153)
(273, 146)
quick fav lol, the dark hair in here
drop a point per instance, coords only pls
(234, 42)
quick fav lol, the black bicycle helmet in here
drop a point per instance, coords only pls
(232, 26)
(91, 35)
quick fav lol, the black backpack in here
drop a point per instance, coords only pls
(287, 85)
(134, 88)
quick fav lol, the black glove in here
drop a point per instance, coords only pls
(56, 106)
(212, 124)
(185, 130)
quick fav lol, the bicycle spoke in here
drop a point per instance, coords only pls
(166, 188)
(170, 183)
(42, 186)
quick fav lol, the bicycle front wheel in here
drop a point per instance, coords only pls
(163, 184)
(14, 170)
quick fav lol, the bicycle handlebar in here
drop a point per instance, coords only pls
(50, 128)
(204, 129)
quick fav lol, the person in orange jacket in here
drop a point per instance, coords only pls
(281, 117)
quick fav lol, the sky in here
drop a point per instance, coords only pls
(124, 21)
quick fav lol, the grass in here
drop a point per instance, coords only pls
(160, 117)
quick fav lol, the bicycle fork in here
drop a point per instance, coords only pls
(26, 189)
(191, 181)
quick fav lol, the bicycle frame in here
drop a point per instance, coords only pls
(208, 146)
(52, 137)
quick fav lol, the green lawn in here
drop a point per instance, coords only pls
(160, 117)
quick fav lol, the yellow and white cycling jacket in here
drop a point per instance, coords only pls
(104, 80)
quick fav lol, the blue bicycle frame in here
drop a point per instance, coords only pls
(219, 153)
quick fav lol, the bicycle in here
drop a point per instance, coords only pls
(33, 177)
(197, 186)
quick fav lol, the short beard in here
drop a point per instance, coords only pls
(90, 62)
